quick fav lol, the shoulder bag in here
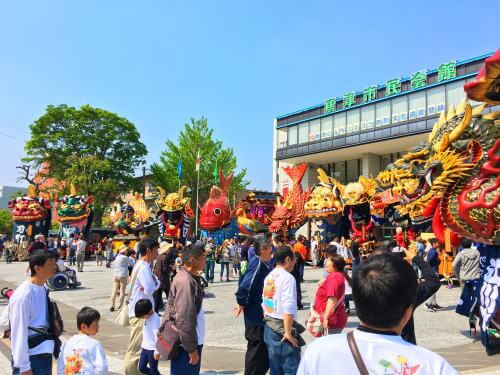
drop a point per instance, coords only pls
(314, 322)
(168, 340)
(122, 318)
(360, 364)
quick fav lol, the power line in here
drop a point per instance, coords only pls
(11, 136)
(13, 128)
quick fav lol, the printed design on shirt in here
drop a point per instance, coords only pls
(74, 363)
(401, 367)
(268, 295)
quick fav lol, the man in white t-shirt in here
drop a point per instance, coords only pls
(144, 286)
(315, 250)
(279, 302)
(384, 289)
(32, 349)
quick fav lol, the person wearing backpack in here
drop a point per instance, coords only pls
(32, 343)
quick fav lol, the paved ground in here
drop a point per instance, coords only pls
(443, 331)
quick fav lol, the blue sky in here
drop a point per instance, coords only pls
(237, 63)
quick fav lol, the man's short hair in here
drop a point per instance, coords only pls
(433, 241)
(192, 251)
(142, 307)
(261, 242)
(466, 243)
(39, 258)
(87, 316)
(282, 253)
(126, 242)
(145, 244)
(383, 287)
(331, 250)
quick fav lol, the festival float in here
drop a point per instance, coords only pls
(174, 215)
(31, 216)
(129, 220)
(290, 214)
(74, 213)
(216, 219)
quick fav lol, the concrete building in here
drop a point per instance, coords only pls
(7, 191)
(363, 131)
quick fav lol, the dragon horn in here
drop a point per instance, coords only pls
(451, 113)
(278, 201)
(463, 124)
(31, 191)
(72, 189)
(181, 191)
(441, 122)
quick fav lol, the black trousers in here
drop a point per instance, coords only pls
(158, 298)
(256, 357)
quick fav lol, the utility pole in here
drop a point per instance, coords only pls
(144, 183)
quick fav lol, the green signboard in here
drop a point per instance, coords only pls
(418, 80)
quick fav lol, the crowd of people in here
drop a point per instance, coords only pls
(386, 286)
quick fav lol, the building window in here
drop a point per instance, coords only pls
(383, 113)
(339, 171)
(314, 130)
(352, 170)
(292, 135)
(339, 124)
(303, 132)
(367, 117)
(385, 160)
(454, 93)
(282, 137)
(399, 109)
(416, 105)
(472, 102)
(326, 127)
(353, 121)
(436, 100)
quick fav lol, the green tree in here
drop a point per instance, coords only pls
(95, 149)
(196, 136)
(5, 221)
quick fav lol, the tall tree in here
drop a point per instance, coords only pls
(95, 149)
(5, 221)
(196, 136)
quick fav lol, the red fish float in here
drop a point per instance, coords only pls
(216, 212)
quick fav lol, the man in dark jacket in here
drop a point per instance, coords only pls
(433, 261)
(162, 271)
(185, 309)
(425, 289)
(249, 299)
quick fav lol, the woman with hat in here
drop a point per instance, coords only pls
(122, 263)
(162, 269)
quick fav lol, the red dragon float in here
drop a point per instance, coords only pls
(290, 213)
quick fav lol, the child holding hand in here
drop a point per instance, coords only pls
(148, 362)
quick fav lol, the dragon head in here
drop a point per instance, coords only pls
(281, 216)
(325, 198)
(453, 150)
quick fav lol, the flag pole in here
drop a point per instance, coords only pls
(197, 191)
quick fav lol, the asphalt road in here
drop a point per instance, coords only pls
(444, 332)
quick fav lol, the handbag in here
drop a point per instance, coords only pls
(122, 317)
(168, 341)
(314, 322)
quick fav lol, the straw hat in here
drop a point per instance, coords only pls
(122, 249)
(164, 247)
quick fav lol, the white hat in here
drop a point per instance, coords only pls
(164, 247)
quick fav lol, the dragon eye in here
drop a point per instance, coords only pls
(217, 211)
